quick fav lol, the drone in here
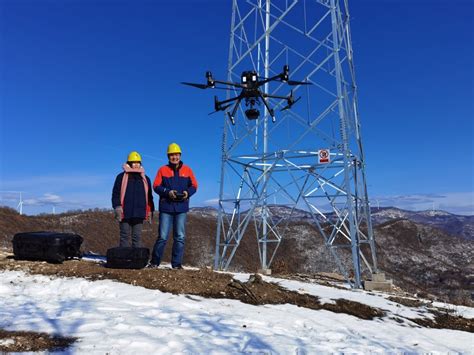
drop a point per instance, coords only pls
(251, 94)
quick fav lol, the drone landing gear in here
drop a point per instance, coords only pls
(231, 118)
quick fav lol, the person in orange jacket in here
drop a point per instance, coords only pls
(175, 184)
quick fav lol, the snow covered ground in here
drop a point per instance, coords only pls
(116, 318)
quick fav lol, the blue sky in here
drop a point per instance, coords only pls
(82, 83)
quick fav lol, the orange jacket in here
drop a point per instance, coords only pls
(180, 178)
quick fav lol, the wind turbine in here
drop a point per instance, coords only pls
(20, 204)
(19, 207)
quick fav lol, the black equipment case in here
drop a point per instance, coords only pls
(47, 246)
(127, 258)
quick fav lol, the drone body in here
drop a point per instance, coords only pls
(250, 94)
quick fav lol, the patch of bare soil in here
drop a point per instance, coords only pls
(321, 278)
(443, 320)
(15, 341)
(356, 309)
(409, 302)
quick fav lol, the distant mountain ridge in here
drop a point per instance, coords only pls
(459, 225)
(462, 226)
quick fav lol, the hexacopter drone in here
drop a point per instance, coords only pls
(251, 93)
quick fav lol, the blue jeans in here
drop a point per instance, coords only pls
(178, 221)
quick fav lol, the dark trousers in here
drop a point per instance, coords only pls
(133, 227)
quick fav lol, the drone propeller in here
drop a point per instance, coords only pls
(218, 106)
(292, 83)
(199, 86)
(219, 88)
(204, 86)
(291, 101)
(283, 79)
(223, 108)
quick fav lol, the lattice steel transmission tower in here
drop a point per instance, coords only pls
(311, 158)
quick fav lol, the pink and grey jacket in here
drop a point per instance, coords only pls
(132, 191)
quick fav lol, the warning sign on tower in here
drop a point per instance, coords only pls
(323, 156)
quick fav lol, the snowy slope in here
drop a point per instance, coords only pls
(116, 318)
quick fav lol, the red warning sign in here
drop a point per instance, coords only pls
(323, 156)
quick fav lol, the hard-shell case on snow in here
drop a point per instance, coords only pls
(127, 258)
(53, 247)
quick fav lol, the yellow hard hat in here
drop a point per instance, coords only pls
(173, 148)
(134, 156)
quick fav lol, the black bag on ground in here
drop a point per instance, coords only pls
(127, 258)
(53, 247)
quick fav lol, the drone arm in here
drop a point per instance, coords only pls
(228, 83)
(275, 96)
(229, 100)
(234, 110)
(236, 106)
(270, 111)
(260, 83)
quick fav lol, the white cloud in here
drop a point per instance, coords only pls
(39, 203)
(59, 182)
(64, 192)
(9, 196)
(453, 202)
(46, 199)
(213, 202)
